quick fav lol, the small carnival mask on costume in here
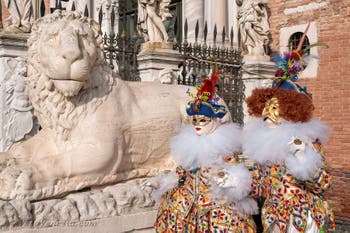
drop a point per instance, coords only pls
(271, 111)
(204, 108)
(203, 125)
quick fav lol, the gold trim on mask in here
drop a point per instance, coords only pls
(271, 111)
(200, 120)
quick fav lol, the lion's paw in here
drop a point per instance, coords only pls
(13, 181)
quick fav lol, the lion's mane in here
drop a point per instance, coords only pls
(53, 109)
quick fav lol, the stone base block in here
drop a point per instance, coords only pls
(158, 62)
(139, 222)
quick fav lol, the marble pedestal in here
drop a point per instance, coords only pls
(123, 207)
(158, 62)
(132, 223)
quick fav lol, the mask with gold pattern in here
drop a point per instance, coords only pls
(270, 112)
(205, 110)
(203, 125)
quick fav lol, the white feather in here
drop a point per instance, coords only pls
(263, 144)
(305, 165)
(164, 182)
(190, 150)
(247, 206)
(241, 188)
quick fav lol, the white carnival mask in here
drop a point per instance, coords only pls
(204, 125)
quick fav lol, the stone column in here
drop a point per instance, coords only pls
(215, 12)
(193, 10)
(256, 74)
(232, 20)
(16, 118)
(158, 62)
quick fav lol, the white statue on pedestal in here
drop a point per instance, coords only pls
(21, 13)
(151, 14)
(253, 25)
(96, 129)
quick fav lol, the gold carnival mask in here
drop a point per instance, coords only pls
(203, 125)
(271, 111)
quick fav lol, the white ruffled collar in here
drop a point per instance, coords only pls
(264, 144)
(190, 150)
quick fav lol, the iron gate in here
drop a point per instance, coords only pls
(200, 60)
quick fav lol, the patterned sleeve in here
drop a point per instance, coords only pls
(322, 179)
(255, 171)
(257, 181)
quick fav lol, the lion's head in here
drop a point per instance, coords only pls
(67, 73)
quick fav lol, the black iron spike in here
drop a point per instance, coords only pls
(231, 36)
(58, 5)
(73, 7)
(86, 11)
(205, 32)
(112, 19)
(223, 35)
(186, 29)
(42, 8)
(214, 34)
(239, 40)
(100, 15)
(175, 27)
(196, 31)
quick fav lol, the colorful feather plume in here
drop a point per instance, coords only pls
(290, 64)
(206, 91)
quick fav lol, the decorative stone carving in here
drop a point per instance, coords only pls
(18, 116)
(151, 14)
(167, 76)
(21, 13)
(125, 198)
(131, 196)
(96, 129)
(253, 26)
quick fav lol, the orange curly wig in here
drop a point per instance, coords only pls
(293, 106)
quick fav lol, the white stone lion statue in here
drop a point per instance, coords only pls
(96, 129)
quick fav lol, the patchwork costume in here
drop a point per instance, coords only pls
(285, 143)
(208, 192)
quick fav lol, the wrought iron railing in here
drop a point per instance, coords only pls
(201, 58)
(121, 49)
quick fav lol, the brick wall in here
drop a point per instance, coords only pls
(331, 89)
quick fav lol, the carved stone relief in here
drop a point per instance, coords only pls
(120, 199)
(167, 76)
(18, 120)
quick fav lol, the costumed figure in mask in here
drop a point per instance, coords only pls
(208, 192)
(286, 144)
